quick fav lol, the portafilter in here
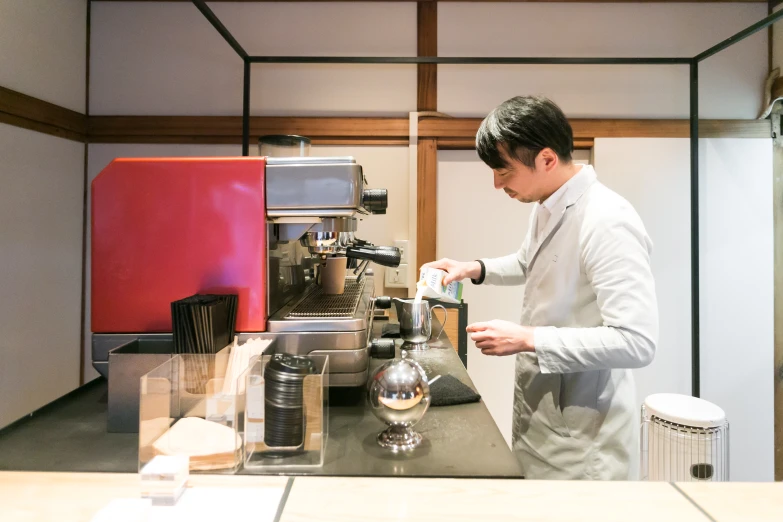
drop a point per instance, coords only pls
(335, 237)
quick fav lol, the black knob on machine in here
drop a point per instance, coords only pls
(375, 200)
(383, 302)
(382, 348)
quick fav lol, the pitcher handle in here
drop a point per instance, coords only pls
(445, 318)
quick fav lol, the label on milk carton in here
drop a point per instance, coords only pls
(431, 285)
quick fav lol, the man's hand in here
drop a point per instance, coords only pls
(501, 337)
(456, 270)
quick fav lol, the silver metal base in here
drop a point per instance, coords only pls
(102, 344)
(398, 438)
(347, 367)
(414, 347)
(347, 380)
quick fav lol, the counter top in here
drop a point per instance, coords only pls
(737, 501)
(459, 441)
(76, 497)
(430, 500)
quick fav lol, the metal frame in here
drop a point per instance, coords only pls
(693, 64)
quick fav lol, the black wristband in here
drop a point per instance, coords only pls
(482, 275)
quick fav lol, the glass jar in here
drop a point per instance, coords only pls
(283, 146)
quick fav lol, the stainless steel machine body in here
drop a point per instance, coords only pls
(313, 205)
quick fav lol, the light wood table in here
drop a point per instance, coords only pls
(432, 500)
(738, 501)
(77, 497)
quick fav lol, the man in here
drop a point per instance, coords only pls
(589, 310)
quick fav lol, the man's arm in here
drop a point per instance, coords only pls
(615, 254)
(508, 270)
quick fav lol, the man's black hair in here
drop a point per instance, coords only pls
(524, 126)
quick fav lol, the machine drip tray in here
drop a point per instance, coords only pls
(317, 304)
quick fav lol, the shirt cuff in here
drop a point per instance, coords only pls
(483, 273)
(545, 340)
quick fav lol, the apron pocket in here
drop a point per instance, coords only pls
(553, 412)
(537, 402)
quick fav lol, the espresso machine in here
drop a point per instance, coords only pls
(280, 232)
(332, 312)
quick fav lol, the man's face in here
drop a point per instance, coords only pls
(521, 182)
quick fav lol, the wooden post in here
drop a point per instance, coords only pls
(427, 157)
(426, 207)
(427, 34)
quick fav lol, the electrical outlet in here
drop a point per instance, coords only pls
(396, 277)
(402, 244)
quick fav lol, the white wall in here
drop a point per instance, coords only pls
(777, 40)
(384, 167)
(737, 284)
(659, 190)
(42, 54)
(43, 49)
(165, 58)
(621, 30)
(41, 259)
(195, 72)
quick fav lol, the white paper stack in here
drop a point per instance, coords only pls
(164, 478)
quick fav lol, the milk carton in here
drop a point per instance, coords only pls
(431, 285)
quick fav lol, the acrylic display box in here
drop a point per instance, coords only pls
(185, 410)
(266, 420)
(286, 415)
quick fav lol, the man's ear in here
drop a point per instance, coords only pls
(548, 158)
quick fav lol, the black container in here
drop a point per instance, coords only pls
(284, 409)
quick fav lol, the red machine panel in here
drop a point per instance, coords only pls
(164, 229)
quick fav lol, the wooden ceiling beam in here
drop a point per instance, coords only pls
(104, 128)
(34, 114)
(27, 112)
(611, 128)
(470, 144)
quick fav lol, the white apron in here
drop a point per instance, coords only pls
(590, 292)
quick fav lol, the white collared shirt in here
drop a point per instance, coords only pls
(544, 209)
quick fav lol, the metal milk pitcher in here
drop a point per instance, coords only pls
(416, 320)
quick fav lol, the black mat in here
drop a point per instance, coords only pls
(448, 391)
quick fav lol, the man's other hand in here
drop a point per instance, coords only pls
(498, 337)
(456, 270)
